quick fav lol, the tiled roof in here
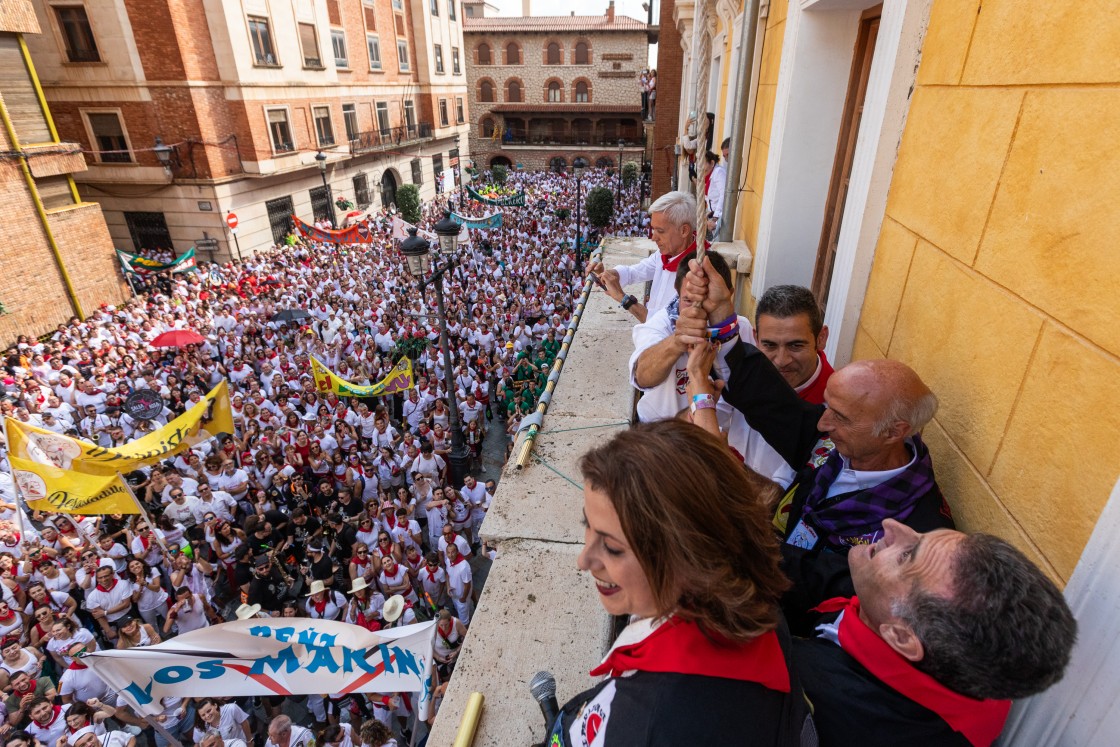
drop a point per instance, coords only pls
(552, 24)
(546, 109)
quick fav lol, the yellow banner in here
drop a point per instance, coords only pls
(45, 487)
(398, 380)
(194, 426)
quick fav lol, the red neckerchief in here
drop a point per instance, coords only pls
(682, 648)
(814, 393)
(13, 544)
(54, 717)
(30, 689)
(75, 664)
(979, 721)
(360, 563)
(144, 541)
(320, 605)
(10, 615)
(458, 560)
(672, 263)
(102, 588)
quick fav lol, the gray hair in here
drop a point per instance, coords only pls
(916, 413)
(679, 208)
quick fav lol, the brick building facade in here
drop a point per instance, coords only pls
(57, 256)
(246, 95)
(545, 90)
(670, 70)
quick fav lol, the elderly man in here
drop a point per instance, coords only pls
(283, 733)
(945, 630)
(852, 464)
(790, 329)
(673, 227)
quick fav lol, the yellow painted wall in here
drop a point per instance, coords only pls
(750, 200)
(997, 271)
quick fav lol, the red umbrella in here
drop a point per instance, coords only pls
(177, 338)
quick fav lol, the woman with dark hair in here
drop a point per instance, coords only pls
(678, 538)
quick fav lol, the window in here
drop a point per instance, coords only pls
(280, 130)
(323, 130)
(437, 166)
(338, 43)
(552, 54)
(350, 119)
(583, 54)
(582, 94)
(484, 54)
(383, 118)
(486, 91)
(513, 54)
(410, 117)
(261, 36)
(402, 55)
(417, 171)
(435, 7)
(77, 34)
(439, 57)
(361, 191)
(554, 92)
(451, 10)
(373, 46)
(443, 113)
(309, 43)
(398, 4)
(455, 61)
(487, 125)
(108, 138)
(459, 118)
(513, 91)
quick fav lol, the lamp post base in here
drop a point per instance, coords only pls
(458, 465)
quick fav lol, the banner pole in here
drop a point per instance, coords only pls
(144, 513)
(15, 484)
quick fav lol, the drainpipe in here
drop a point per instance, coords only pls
(740, 125)
(33, 189)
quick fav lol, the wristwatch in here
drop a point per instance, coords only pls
(628, 301)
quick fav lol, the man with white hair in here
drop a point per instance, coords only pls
(673, 229)
(283, 733)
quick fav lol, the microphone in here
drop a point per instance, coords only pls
(543, 688)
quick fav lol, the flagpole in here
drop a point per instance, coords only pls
(139, 505)
(15, 483)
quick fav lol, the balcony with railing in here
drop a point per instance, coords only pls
(373, 141)
(574, 139)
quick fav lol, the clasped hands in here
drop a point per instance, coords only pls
(705, 300)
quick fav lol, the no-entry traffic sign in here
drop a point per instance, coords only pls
(231, 221)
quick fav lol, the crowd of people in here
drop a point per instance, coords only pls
(774, 532)
(315, 506)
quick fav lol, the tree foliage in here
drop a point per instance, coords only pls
(499, 172)
(408, 202)
(629, 173)
(600, 206)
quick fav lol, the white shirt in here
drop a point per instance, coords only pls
(459, 577)
(661, 291)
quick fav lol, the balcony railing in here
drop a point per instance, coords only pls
(580, 139)
(377, 139)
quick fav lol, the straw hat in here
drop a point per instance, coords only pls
(358, 584)
(247, 611)
(393, 609)
(316, 587)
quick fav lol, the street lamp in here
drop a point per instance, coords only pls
(578, 165)
(618, 185)
(321, 159)
(417, 252)
(163, 154)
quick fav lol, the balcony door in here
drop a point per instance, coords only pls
(845, 151)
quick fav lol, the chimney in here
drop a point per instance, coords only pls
(526, 8)
(610, 12)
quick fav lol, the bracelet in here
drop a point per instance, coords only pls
(724, 333)
(628, 301)
(702, 402)
(729, 320)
